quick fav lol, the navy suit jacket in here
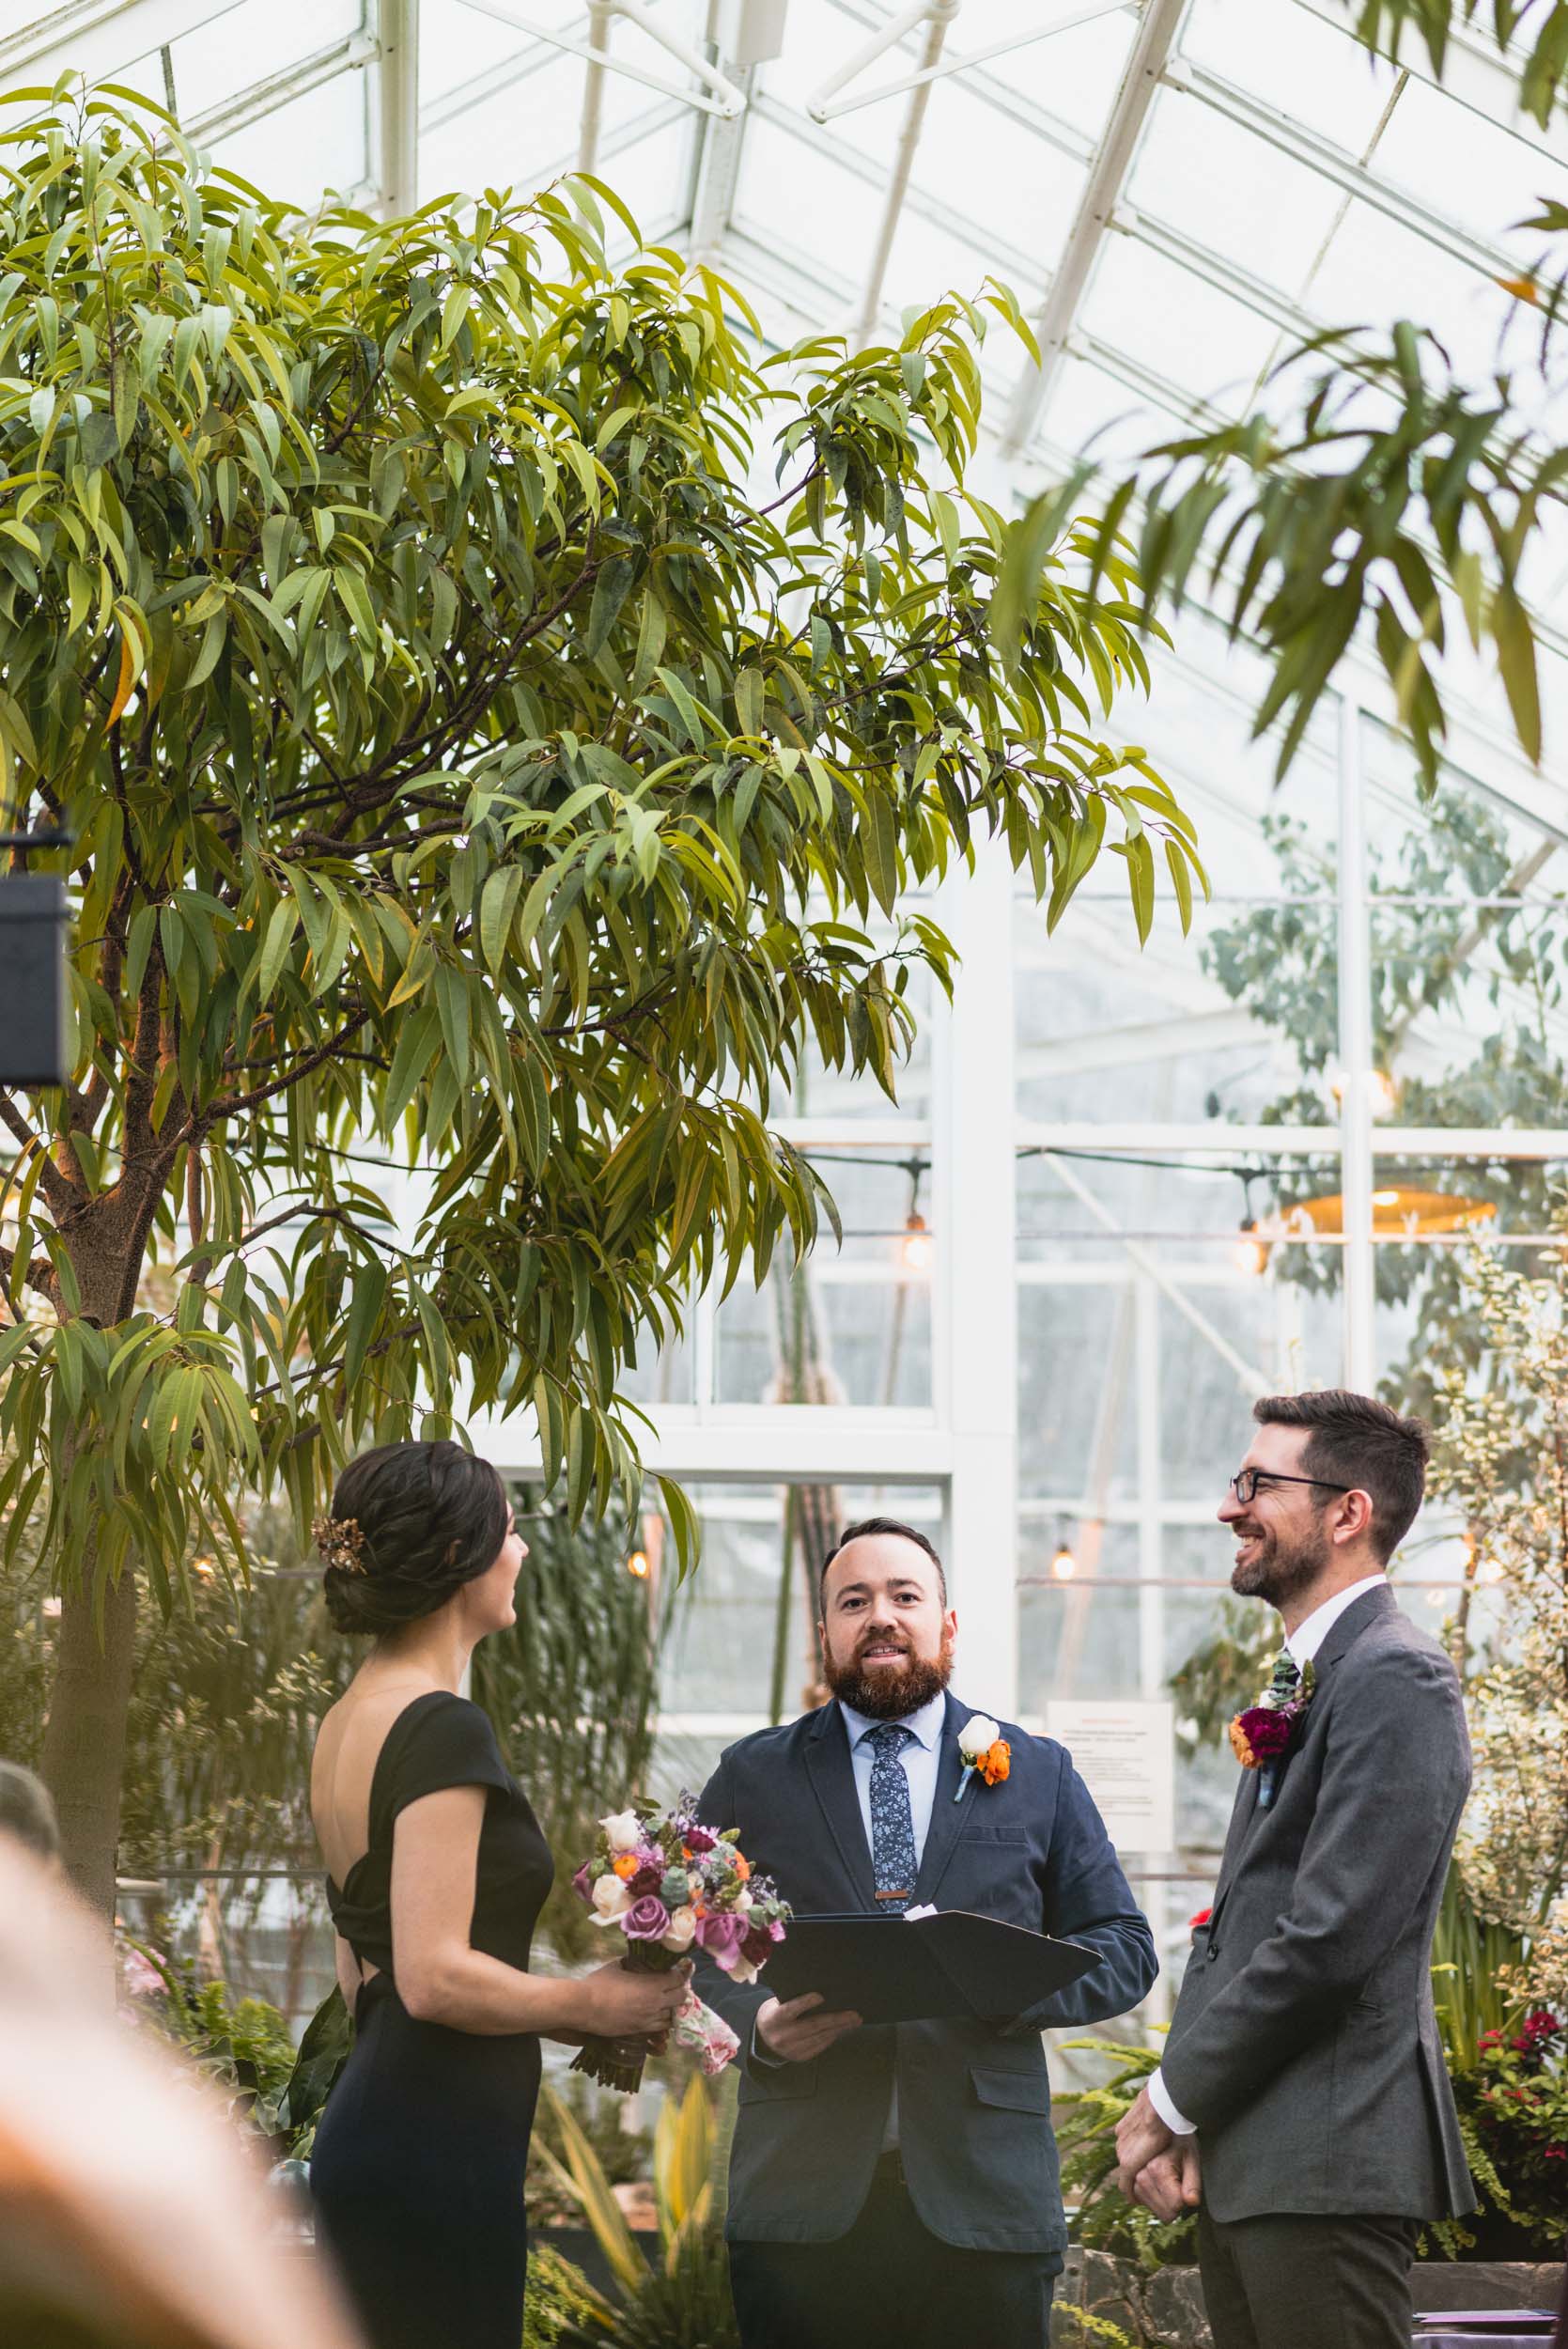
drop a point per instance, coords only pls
(974, 2098)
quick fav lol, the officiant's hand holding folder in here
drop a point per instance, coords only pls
(926, 1968)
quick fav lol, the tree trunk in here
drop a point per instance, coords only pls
(84, 1744)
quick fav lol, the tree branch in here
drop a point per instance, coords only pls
(64, 1196)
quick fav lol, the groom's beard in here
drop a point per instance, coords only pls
(892, 1692)
(1276, 1569)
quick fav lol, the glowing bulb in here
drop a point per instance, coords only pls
(1380, 1086)
(917, 1247)
(204, 1567)
(1064, 1565)
(637, 1564)
(1385, 1198)
(1250, 1251)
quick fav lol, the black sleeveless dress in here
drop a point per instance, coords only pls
(417, 2175)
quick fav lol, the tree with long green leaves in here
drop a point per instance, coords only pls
(1372, 496)
(466, 770)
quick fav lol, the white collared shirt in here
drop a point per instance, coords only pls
(1302, 1646)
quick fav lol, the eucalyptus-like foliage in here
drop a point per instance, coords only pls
(465, 766)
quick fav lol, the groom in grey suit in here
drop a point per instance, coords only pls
(1302, 2090)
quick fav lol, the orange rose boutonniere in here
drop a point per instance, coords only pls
(984, 1748)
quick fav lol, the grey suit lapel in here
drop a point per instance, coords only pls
(1342, 1636)
(950, 1810)
(832, 1778)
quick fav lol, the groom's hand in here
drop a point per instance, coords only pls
(1141, 2136)
(1171, 2184)
(799, 2029)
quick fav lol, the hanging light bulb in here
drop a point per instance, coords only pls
(917, 1248)
(1064, 1565)
(637, 1566)
(1250, 1250)
(1381, 1086)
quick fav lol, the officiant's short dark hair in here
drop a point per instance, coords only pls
(881, 1525)
(1357, 1442)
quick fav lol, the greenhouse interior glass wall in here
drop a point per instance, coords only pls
(1121, 1193)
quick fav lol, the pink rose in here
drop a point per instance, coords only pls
(583, 1882)
(647, 1920)
(722, 1937)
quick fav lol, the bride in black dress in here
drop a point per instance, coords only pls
(436, 1872)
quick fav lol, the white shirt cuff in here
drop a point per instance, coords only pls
(1159, 2096)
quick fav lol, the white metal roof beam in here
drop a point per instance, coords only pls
(279, 89)
(1107, 173)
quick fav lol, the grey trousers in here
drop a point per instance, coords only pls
(1297, 2282)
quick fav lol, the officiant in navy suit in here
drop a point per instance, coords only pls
(898, 2183)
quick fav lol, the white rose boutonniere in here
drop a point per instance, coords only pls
(984, 1749)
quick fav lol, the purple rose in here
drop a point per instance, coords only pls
(722, 1937)
(583, 1882)
(1267, 1729)
(647, 1920)
(699, 1839)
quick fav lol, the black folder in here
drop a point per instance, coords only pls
(922, 1970)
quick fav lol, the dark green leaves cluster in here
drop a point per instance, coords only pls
(465, 765)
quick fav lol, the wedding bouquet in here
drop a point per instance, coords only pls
(669, 1884)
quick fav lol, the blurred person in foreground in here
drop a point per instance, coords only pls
(1302, 2091)
(27, 1812)
(131, 2214)
(437, 1873)
(897, 2183)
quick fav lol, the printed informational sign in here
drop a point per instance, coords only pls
(1124, 1753)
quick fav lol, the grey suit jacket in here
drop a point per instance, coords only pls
(1304, 2046)
(974, 2098)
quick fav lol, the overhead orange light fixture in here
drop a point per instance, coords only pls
(1398, 1212)
(638, 1565)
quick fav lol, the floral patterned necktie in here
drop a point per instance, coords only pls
(1287, 1677)
(894, 1864)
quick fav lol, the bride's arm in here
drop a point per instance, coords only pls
(442, 1979)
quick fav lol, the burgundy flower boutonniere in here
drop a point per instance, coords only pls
(1262, 1734)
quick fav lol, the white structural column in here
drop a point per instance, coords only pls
(1356, 1074)
(396, 162)
(1095, 217)
(977, 1330)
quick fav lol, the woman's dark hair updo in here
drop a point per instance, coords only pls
(411, 1523)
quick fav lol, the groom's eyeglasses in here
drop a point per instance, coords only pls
(1244, 1482)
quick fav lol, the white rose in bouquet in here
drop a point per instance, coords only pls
(622, 1831)
(610, 1901)
(683, 1927)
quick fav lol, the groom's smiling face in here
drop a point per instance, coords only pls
(886, 1631)
(1283, 1543)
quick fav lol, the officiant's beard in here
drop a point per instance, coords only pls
(890, 1695)
(1280, 1569)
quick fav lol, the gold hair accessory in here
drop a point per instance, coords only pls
(341, 1543)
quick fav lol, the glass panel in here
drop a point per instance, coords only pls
(250, 44)
(849, 1328)
(316, 142)
(1309, 70)
(1466, 167)
(718, 1656)
(1177, 325)
(1375, 271)
(1191, 169)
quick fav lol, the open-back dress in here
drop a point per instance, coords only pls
(417, 2175)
